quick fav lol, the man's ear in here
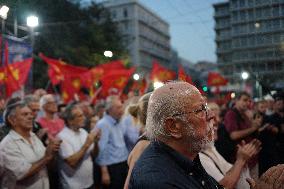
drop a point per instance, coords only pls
(173, 128)
(11, 120)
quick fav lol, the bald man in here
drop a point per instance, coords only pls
(176, 124)
(178, 127)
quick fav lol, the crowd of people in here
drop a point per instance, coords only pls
(171, 138)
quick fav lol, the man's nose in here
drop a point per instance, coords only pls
(210, 115)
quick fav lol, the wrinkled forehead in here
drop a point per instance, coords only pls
(23, 109)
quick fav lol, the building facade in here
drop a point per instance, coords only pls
(145, 34)
(250, 37)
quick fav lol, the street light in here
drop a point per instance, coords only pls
(108, 54)
(3, 14)
(245, 75)
(136, 77)
(4, 11)
(32, 21)
(257, 25)
(258, 87)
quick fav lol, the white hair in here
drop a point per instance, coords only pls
(44, 99)
(166, 101)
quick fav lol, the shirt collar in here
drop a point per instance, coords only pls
(17, 136)
(180, 159)
(192, 168)
(111, 119)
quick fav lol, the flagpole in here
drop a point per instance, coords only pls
(96, 94)
(47, 85)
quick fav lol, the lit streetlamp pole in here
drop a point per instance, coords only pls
(3, 14)
(32, 22)
(245, 75)
(258, 86)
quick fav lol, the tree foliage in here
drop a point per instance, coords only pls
(76, 35)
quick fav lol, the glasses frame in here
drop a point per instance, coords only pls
(204, 107)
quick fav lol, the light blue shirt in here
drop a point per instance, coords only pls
(112, 147)
(131, 131)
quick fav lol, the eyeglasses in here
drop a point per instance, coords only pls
(198, 112)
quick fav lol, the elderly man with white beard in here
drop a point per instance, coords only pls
(177, 125)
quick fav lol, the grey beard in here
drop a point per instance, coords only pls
(198, 144)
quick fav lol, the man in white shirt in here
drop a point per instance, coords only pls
(23, 155)
(76, 166)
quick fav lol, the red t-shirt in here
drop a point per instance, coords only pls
(53, 126)
(235, 121)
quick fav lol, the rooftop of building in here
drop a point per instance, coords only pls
(113, 3)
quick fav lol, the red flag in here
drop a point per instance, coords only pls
(216, 79)
(115, 79)
(70, 87)
(139, 86)
(2, 75)
(59, 69)
(182, 75)
(96, 73)
(160, 73)
(91, 77)
(16, 75)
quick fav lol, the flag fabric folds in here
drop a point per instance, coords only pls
(58, 69)
(216, 79)
(115, 80)
(182, 75)
(159, 73)
(138, 86)
(72, 78)
(15, 75)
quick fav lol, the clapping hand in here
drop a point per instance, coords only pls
(52, 147)
(247, 151)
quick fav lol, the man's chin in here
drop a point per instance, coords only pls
(28, 128)
(200, 145)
